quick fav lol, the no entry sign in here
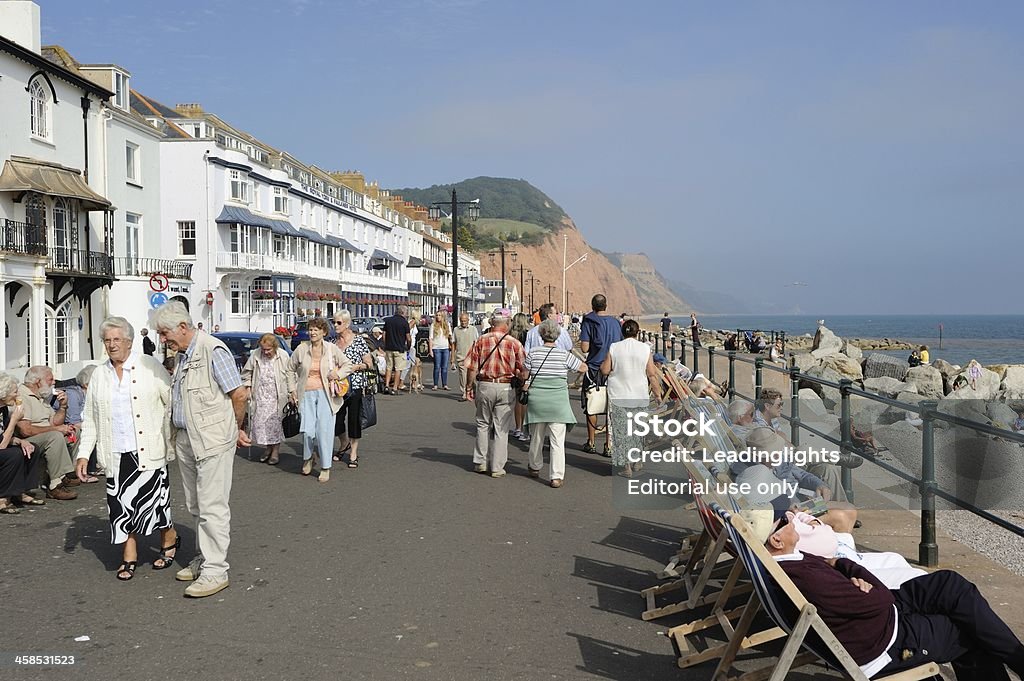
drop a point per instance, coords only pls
(158, 282)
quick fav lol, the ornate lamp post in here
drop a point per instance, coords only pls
(472, 212)
(503, 252)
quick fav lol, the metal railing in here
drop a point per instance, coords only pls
(23, 238)
(78, 261)
(928, 487)
(146, 267)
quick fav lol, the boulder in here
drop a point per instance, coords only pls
(998, 369)
(829, 395)
(927, 379)
(805, 361)
(810, 404)
(851, 350)
(825, 342)
(844, 366)
(1012, 386)
(1001, 414)
(895, 414)
(865, 412)
(876, 364)
(986, 385)
(947, 370)
(888, 386)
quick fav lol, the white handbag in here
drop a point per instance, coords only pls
(597, 400)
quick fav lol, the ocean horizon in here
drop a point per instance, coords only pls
(990, 339)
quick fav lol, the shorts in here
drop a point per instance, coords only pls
(395, 360)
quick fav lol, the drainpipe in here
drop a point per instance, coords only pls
(86, 103)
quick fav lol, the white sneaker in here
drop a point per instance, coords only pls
(516, 433)
(523, 437)
(207, 585)
(190, 572)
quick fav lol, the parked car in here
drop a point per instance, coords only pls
(302, 333)
(364, 325)
(242, 343)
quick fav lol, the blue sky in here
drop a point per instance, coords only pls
(872, 150)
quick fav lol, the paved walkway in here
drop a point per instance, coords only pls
(409, 567)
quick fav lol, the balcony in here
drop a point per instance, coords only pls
(23, 238)
(79, 262)
(242, 261)
(147, 267)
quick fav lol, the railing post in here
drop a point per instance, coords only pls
(846, 428)
(732, 375)
(928, 549)
(682, 350)
(758, 370)
(794, 409)
(672, 342)
(696, 359)
(711, 364)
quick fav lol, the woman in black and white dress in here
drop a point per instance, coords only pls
(123, 420)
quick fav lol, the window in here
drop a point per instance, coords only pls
(256, 196)
(121, 91)
(280, 200)
(40, 102)
(239, 187)
(132, 170)
(280, 246)
(61, 232)
(187, 238)
(239, 299)
(132, 225)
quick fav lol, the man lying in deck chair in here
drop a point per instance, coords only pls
(939, 617)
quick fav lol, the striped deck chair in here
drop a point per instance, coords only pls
(776, 593)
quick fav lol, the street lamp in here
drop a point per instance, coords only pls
(503, 254)
(565, 268)
(473, 286)
(550, 288)
(533, 280)
(522, 287)
(472, 212)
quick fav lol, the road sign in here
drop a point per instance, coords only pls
(159, 282)
(156, 299)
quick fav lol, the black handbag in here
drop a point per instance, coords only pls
(291, 422)
(524, 395)
(368, 411)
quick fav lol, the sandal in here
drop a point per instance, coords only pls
(265, 458)
(127, 567)
(7, 509)
(30, 501)
(273, 461)
(340, 455)
(165, 560)
(354, 463)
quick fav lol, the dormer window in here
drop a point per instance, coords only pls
(121, 91)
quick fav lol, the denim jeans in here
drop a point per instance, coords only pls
(441, 360)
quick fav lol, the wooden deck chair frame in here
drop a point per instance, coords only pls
(772, 587)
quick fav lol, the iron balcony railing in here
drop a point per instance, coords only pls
(927, 410)
(23, 238)
(78, 261)
(146, 267)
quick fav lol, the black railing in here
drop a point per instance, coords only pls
(146, 267)
(77, 261)
(24, 238)
(928, 488)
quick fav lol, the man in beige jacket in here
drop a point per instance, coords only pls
(207, 407)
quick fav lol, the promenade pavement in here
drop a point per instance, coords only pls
(410, 566)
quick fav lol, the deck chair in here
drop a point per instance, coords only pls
(773, 591)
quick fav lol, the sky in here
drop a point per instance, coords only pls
(872, 151)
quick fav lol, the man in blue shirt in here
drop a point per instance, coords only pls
(533, 339)
(597, 332)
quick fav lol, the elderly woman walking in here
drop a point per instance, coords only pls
(272, 383)
(19, 470)
(632, 377)
(123, 420)
(520, 326)
(348, 423)
(318, 368)
(548, 411)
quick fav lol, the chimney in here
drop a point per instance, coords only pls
(189, 110)
(19, 22)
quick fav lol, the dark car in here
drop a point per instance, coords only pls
(242, 343)
(364, 325)
(301, 334)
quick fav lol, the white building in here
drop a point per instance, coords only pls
(56, 221)
(271, 239)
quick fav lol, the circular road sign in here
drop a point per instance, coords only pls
(156, 299)
(159, 282)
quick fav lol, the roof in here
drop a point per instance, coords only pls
(380, 254)
(148, 108)
(53, 67)
(22, 174)
(243, 216)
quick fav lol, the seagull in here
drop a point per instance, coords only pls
(797, 283)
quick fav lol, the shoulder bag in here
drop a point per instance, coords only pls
(368, 410)
(481, 365)
(291, 423)
(597, 398)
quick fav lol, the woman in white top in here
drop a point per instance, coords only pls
(440, 345)
(123, 419)
(632, 377)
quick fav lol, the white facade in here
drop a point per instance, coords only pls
(54, 219)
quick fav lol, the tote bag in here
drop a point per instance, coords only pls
(368, 411)
(291, 423)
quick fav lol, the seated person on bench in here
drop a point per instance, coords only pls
(939, 617)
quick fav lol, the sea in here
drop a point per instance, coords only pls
(990, 339)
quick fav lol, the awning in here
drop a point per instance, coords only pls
(415, 262)
(22, 174)
(344, 244)
(315, 237)
(380, 254)
(244, 216)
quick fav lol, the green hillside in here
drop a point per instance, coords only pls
(513, 210)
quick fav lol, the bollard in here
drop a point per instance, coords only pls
(732, 375)
(682, 349)
(928, 549)
(672, 342)
(711, 364)
(846, 428)
(794, 409)
(758, 369)
(696, 360)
